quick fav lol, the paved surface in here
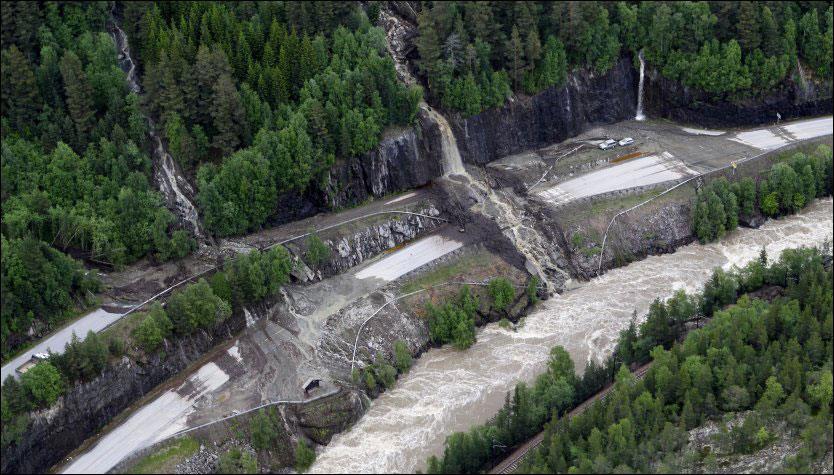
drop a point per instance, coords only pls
(669, 152)
(637, 172)
(94, 321)
(410, 257)
(158, 420)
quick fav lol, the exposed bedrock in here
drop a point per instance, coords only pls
(86, 408)
(672, 100)
(551, 116)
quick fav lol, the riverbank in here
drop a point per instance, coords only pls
(448, 391)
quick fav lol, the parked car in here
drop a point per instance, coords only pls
(610, 143)
(626, 141)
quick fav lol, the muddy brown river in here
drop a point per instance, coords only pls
(449, 390)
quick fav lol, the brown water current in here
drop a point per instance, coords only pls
(449, 390)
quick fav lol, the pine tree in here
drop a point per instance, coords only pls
(748, 26)
(515, 57)
(79, 96)
(228, 116)
(20, 102)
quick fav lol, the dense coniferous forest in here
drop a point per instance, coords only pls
(255, 99)
(76, 172)
(261, 98)
(766, 362)
(474, 54)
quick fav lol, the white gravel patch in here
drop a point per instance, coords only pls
(713, 133)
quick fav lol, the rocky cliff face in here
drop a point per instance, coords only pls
(400, 162)
(350, 251)
(85, 409)
(633, 237)
(671, 100)
(550, 116)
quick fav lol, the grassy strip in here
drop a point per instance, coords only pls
(166, 458)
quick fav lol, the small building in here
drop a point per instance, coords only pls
(310, 385)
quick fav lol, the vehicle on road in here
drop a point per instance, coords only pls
(626, 141)
(36, 358)
(610, 143)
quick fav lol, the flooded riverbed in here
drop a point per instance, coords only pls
(449, 390)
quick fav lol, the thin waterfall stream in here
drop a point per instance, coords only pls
(171, 182)
(639, 115)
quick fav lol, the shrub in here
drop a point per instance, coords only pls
(502, 293)
(262, 429)
(148, 335)
(43, 384)
(196, 307)
(235, 461)
(304, 457)
(454, 322)
(402, 357)
(317, 251)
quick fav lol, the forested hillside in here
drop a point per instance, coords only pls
(76, 172)
(261, 98)
(767, 363)
(253, 99)
(473, 54)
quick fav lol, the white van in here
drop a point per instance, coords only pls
(610, 143)
(626, 141)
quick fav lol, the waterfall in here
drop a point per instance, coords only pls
(803, 80)
(165, 169)
(452, 163)
(640, 115)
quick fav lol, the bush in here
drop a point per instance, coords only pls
(454, 322)
(502, 293)
(256, 275)
(262, 429)
(235, 461)
(43, 384)
(196, 307)
(402, 357)
(148, 335)
(82, 360)
(317, 251)
(533, 290)
(304, 457)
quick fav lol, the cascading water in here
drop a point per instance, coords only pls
(805, 86)
(497, 205)
(449, 390)
(640, 115)
(165, 172)
(452, 163)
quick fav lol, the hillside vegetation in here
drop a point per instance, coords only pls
(474, 54)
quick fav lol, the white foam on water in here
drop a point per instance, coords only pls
(448, 390)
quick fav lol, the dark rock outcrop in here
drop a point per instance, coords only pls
(86, 408)
(672, 100)
(406, 160)
(551, 116)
